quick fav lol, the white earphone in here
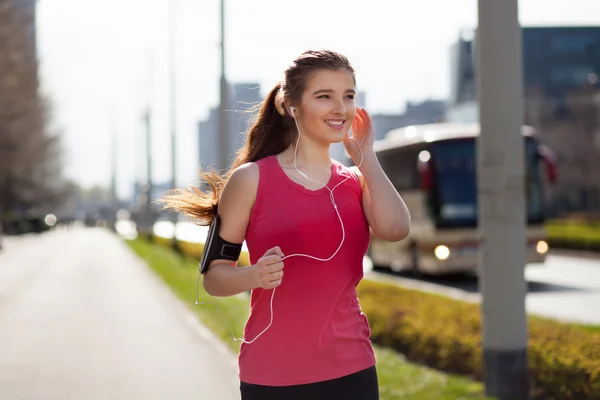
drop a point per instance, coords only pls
(293, 114)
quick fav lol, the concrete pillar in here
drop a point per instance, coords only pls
(501, 197)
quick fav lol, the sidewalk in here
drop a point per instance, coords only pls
(82, 317)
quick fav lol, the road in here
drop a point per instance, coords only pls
(81, 317)
(564, 288)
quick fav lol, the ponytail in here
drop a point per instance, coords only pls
(271, 133)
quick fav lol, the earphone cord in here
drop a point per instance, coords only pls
(292, 255)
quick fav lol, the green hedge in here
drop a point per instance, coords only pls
(443, 333)
(574, 234)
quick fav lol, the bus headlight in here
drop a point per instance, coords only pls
(50, 220)
(542, 247)
(442, 252)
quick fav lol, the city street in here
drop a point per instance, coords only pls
(82, 318)
(565, 288)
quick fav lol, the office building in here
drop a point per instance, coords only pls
(557, 61)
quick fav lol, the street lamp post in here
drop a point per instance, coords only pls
(223, 128)
(173, 92)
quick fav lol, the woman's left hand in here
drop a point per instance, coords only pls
(363, 133)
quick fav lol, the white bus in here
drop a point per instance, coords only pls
(433, 167)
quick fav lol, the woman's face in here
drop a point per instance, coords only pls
(327, 106)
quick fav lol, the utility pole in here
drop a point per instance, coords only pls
(223, 127)
(173, 92)
(147, 217)
(173, 106)
(113, 177)
(501, 198)
(148, 208)
(113, 164)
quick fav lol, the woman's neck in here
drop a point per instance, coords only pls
(309, 155)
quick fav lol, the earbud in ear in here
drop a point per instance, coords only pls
(293, 111)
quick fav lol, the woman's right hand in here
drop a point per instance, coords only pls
(268, 270)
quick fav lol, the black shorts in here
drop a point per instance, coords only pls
(362, 385)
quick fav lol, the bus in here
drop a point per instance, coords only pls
(433, 168)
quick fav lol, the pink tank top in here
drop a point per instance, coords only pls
(319, 331)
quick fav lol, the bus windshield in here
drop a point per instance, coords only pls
(455, 191)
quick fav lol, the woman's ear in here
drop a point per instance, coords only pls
(291, 110)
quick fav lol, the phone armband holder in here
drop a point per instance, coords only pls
(216, 248)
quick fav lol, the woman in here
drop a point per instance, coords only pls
(297, 207)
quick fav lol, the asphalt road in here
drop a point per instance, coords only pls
(81, 317)
(564, 288)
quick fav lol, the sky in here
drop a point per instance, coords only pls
(103, 61)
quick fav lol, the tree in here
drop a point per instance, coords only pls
(582, 102)
(30, 169)
(570, 126)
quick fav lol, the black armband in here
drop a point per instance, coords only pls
(216, 248)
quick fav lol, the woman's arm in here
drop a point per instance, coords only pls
(223, 278)
(384, 209)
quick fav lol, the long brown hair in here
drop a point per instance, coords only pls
(272, 132)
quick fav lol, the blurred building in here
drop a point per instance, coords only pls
(243, 98)
(561, 71)
(556, 62)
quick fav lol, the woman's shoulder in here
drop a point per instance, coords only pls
(241, 191)
(240, 188)
(245, 175)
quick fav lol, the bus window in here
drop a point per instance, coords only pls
(400, 167)
(455, 167)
